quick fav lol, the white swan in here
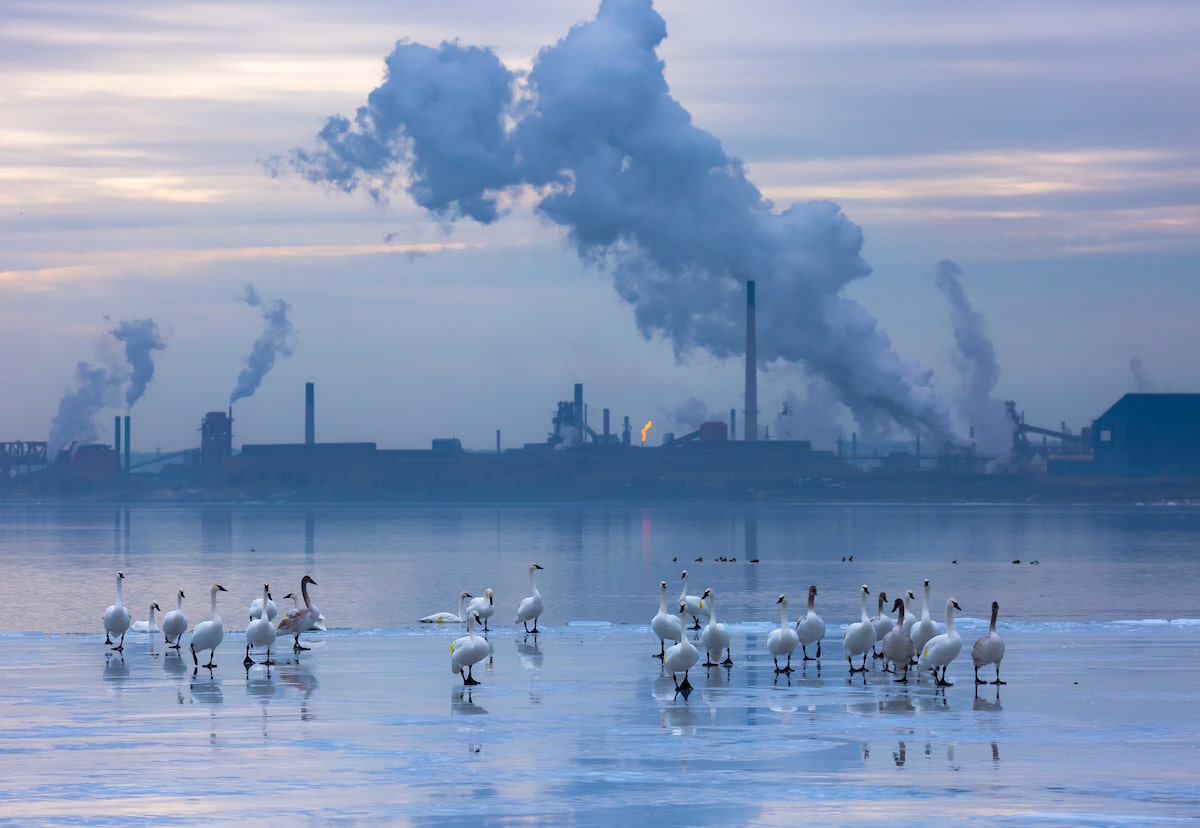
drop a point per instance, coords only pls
(882, 622)
(468, 651)
(716, 635)
(665, 624)
(942, 649)
(207, 635)
(174, 623)
(147, 626)
(301, 619)
(449, 617)
(910, 617)
(859, 637)
(926, 628)
(784, 640)
(531, 607)
(116, 618)
(695, 604)
(485, 605)
(897, 645)
(989, 649)
(319, 624)
(681, 657)
(811, 627)
(260, 632)
(256, 609)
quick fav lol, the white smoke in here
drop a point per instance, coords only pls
(814, 417)
(140, 337)
(976, 362)
(277, 340)
(616, 161)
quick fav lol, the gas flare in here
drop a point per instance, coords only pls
(646, 428)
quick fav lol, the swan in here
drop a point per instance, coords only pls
(695, 604)
(910, 617)
(174, 623)
(531, 607)
(665, 624)
(681, 657)
(147, 626)
(319, 624)
(260, 632)
(942, 649)
(207, 635)
(859, 637)
(897, 645)
(256, 609)
(882, 622)
(116, 618)
(926, 628)
(811, 627)
(784, 640)
(468, 651)
(716, 635)
(301, 619)
(989, 649)
(449, 617)
(485, 605)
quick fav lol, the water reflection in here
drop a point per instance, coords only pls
(301, 679)
(206, 689)
(529, 652)
(983, 704)
(462, 703)
(115, 670)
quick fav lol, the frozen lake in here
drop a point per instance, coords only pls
(578, 725)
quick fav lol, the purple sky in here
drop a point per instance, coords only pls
(1046, 149)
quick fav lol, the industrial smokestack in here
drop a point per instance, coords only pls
(126, 442)
(579, 409)
(606, 427)
(733, 424)
(310, 422)
(751, 427)
(117, 442)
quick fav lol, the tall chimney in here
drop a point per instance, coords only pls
(310, 420)
(117, 443)
(733, 424)
(751, 427)
(126, 442)
(606, 426)
(579, 409)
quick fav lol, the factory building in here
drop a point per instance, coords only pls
(1148, 435)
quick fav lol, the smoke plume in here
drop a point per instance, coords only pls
(77, 410)
(278, 340)
(140, 337)
(616, 161)
(976, 362)
(1142, 383)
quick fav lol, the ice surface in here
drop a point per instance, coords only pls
(579, 726)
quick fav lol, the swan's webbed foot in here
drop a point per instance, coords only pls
(709, 663)
(209, 666)
(247, 661)
(728, 662)
(107, 639)
(997, 681)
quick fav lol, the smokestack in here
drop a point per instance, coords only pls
(310, 422)
(497, 441)
(625, 436)
(126, 442)
(751, 427)
(606, 426)
(579, 409)
(733, 424)
(117, 442)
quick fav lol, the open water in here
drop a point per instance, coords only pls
(578, 725)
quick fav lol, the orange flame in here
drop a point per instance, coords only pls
(646, 428)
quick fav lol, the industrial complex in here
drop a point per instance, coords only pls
(1145, 446)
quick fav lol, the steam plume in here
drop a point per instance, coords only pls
(277, 340)
(1142, 383)
(140, 337)
(618, 163)
(77, 410)
(976, 362)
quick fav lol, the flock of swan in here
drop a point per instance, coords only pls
(903, 643)
(262, 631)
(907, 642)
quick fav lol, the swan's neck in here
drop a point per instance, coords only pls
(811, 600)
(532, 585)
(178, 602)
(461, 600)
(949, 618)
(119, 600)
(662, 602)
(925, 605)
(213, 593)
(712, 610)
(152, 615)
(900, 618)
(304, 592)
(783, 619)
(863, 601)
(992, 626)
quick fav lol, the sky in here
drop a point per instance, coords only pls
(446, 215)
